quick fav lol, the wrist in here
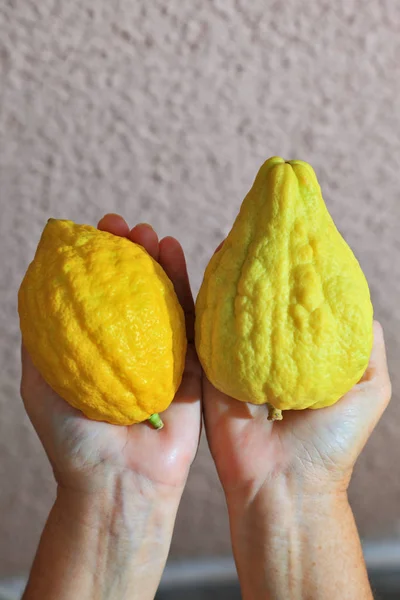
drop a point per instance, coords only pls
(283, 492)
(293, 542)
(272, 509)
(112, 543)
(127, 524)
(117, 506)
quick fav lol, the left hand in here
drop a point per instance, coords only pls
(317, 449)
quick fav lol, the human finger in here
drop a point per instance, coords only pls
(172, 260)
(114, 224)
(144, 235)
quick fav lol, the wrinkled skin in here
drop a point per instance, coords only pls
(317, 448)
(84, 453)
(284, 314)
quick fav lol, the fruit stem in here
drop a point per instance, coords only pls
(156, 421)
(274, 414)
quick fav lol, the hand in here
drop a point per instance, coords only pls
(109, 531)
(317, 447)
(85, 453)
(292, 528)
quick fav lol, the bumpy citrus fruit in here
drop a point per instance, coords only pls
(102, 324)
(284, 313)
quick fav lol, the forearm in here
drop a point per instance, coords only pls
(295, 547)
(111, 545)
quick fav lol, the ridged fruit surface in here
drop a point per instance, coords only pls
(284, 314)
(102, 323)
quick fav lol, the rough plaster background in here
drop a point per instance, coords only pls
(164, 111)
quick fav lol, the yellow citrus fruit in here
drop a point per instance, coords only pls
(284, 314)
(102, 324)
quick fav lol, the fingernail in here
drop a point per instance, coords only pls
(145, 225)
(111, 215)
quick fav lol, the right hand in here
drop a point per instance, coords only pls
(85, 454)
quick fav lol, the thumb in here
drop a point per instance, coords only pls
(40, 400)
(32, 383)
(370, 396)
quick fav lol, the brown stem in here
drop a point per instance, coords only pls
(274, 414)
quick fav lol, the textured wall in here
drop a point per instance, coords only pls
(164, 111)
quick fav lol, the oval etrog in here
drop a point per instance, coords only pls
(102, 323)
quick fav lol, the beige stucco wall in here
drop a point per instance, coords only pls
(164, 111)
